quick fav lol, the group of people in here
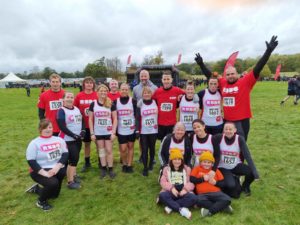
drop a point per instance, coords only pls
(204, 150)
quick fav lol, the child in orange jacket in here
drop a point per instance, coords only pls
(208, 187)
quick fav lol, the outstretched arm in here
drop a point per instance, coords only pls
(264, 59)
(205, 70)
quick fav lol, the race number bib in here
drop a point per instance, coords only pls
(149, 122)
(229, 101)
(55, 105)
(78, 119)
(126, 123)
(86, 111)
(166, 107)
(229, 160)
(103, 122)
(213, 112)
(188, 118)
(54, 155)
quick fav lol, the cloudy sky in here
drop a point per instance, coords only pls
(68, 34)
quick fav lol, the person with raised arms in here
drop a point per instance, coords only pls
(236, 91)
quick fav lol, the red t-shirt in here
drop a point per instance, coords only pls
(83, 101)
(206, 187)
(114, 96)
(236, 97)
(167, 104)
(51, 101)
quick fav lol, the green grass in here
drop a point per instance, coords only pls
(130, 199)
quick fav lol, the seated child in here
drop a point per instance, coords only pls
(208, 184)
(177, 190)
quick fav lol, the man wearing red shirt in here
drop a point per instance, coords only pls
(83, 100)
(114, 93)
(236, 91)
(166, 98)
(50, 101)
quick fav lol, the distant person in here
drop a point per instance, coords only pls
(27, 87)
(291, 91)
(297, 91)
(236, 91)
(47, 156)
(50, 101)
(113, 93)
(177, 190)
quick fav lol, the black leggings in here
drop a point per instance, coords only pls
(74, 150)
(51, 186)
(214, 201)
(147, 142)
(243, 127)
(232, 183)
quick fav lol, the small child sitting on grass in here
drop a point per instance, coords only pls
(208, 187)
(177, 190)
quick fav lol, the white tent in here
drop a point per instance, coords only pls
(11, 77)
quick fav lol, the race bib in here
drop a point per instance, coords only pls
(166, 107)
(188, 118)
(103, 122)
(149, 122)
(78, 119)
(229, 101)
(229, 160)
(126, 122)
(86, 111)
(213, 112)
(55, 105)
(54, 155)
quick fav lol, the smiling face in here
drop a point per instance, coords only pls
(88, 86)
(167, 80)
(147, 94)
(231, 75)
(179, 130)
(144, 77)
(55, 84)
(48, 131)
(199, 129)
(229, 130)
(124, 90)
(190, 91)
(206, 164)
(102, 92)
(113, 86)
(68, 99)
(176, 163)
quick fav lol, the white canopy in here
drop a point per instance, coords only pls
(11, 77)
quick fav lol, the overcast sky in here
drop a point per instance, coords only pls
(68, 34)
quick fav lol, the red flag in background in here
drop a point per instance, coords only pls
(277, 72)
(179, 59)
(230, 61)
(129, 60)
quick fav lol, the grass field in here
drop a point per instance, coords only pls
(274, 141)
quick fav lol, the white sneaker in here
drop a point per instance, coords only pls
(228, 209)
(168, 210)
(205, 212)
(185, 212)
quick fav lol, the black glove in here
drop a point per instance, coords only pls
(77, 137)
(272, 44)
(198, 59)
(82, 134)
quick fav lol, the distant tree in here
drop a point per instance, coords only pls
(96, 69)
(114, 67)
(67, 75)
(186, 67)
(79, 74)
(153, 59)
(47, 71)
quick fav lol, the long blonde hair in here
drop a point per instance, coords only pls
(107, 102)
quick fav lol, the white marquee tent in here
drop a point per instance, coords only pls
(11, 77)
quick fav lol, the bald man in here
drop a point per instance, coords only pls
(236, 91)
(144, 81)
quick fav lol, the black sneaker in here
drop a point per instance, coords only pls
(103, 173)
(33, 189)
(85, 168)
(43, 205)
(112, 175)
(124, 169)
(281, 103)
(129, 169)
(145, 173)
(77, 179)
(73, 185)
(246, 190)
(151, 167)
